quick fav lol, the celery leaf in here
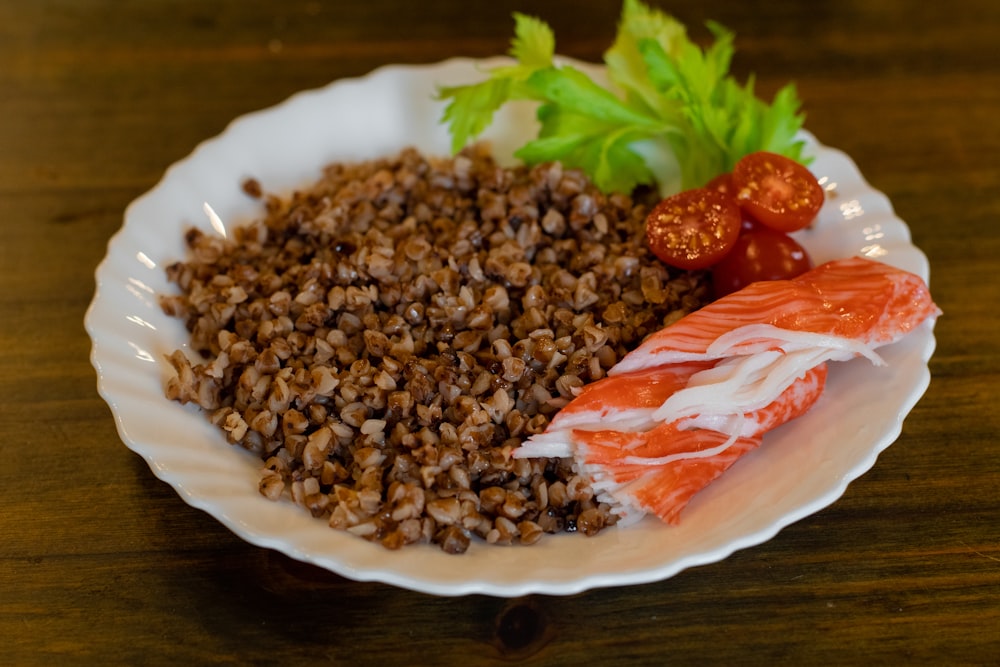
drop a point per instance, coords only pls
(666, 91)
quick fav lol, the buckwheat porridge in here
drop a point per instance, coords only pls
(384, 339)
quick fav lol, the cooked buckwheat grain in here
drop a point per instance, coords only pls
(385, 338)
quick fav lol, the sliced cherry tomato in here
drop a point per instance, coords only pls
(693, 229)
(759, 254)
(723, 184)
(777, 191)
(748, 224)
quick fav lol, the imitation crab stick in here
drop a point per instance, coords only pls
(857, 303)
(678, 411)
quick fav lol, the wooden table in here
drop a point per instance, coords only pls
(100, 563)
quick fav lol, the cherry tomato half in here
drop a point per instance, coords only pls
(759, 254)
(777, 191)
(723, 183)
(748, 224)
(693, 229)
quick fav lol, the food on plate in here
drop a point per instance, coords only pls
(671, 116)
(759, 254)
(430, 349)
(693, 229)
(386, 337)
(738, 224)
(855, 302)
(776, 191)
(681, 408)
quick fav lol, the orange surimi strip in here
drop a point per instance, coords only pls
(619, 462)
(678, 411)
(856, 299)
(666, 490)
(605, 446)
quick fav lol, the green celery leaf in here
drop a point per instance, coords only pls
(722, 121)
(570, 88)
(534, 44)
(603, 150)
(585, 126)
(608, 158)
(561, 133)
(673, 98)
(470, 109)
(550, 149)
(781, 123)
(615, 165)
(556, 120)
(624, 61)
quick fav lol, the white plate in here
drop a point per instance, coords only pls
(801, 468)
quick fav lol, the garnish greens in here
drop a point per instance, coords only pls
(674, 100)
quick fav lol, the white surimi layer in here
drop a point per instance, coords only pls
(718, 398)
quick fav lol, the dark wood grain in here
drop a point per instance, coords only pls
(102, 563)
